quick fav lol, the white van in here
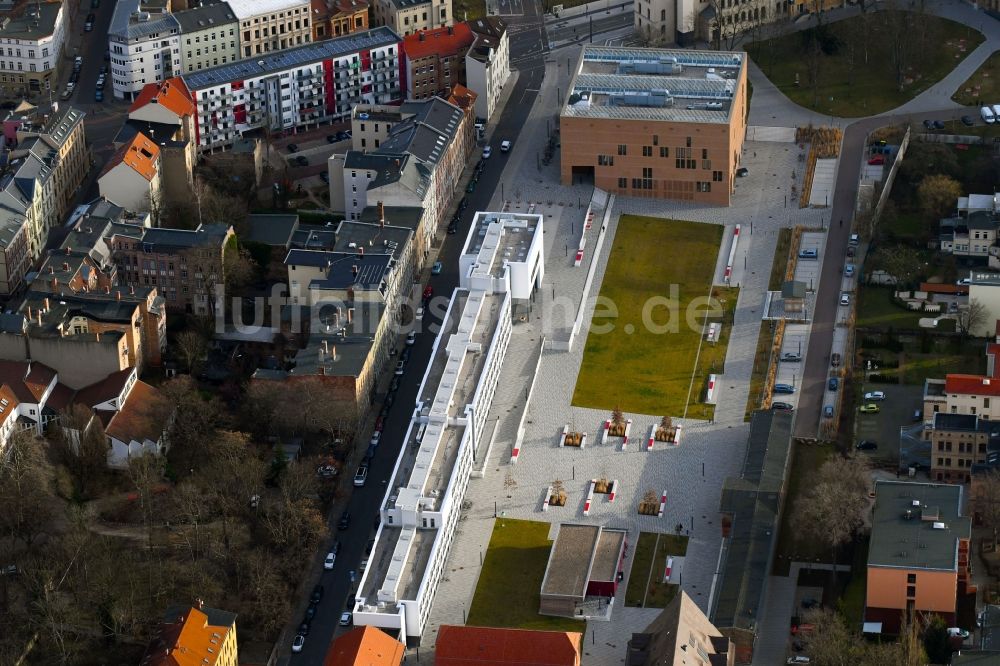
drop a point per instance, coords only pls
(987, 115)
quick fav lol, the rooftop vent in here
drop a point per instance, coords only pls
(653, 99)
(939, 526)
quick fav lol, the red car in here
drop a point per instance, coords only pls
(878, 159)
(428, 291)
(378, 424)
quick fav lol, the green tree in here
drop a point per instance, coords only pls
(938, 195)
(936, 641)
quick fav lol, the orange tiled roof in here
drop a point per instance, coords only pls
(487, 646)
(188, 640)
(171, 94)
(971, 385)
(462, 97)
(105, 389)
(6, 408)
(140, 154)
(365, 646)
(438, 41)
(27, 381)
(143, 416)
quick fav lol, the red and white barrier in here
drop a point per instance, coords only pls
(590, 498)
(514, 454)
(614, 491)
(562, 437)
(732, 253)
(579, 257)
(548, 495)
(652, 437)
(711, 388)
(668, 570)
(677, 434)
(663, 504)
(604, 432)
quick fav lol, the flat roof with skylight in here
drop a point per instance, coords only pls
(917, 525)
(677, 85)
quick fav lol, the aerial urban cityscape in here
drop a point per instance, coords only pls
(287, 343)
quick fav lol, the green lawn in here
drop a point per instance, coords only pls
(468, 10)
(651, 370)
(851, 604)
(806, 460)
(849, 86)
(984, 84)
(507, 594)
(713, 354)
(876, 309)
(649, 560)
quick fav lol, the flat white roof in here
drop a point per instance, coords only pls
(247, 8)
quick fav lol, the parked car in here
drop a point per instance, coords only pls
(854, 240)
(828, 412)
(487, 151)
(401, 365)
(428, 291)
(437, 268)
(304, 628)
(849, 270)
(346, 619)
(292, 148)
(452, 228)
(411, 338)
(809, 253)
(833, 384)
(867, 445)
(782, 406)
(784, 388)
(876, 160)
(874, 395)
(360, 476)
(471, 187)
(791, 357)
(870, 408)
(331, 138)
(301, 161)
(845, 299)
(98, 95)
(798, 659)
(298, 643)
(956, 632)
(68, 92)
(968, 121)
(419, 314)
(311, 611)
(376, 435)
(74, 77)
(505, 146)
(345, 521)
(986, 113)
(742, 172)
(88, 26)
(330, 560)
(835, 360)
(317, 594)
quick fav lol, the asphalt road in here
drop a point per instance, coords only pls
(817, 363)
(364, 502)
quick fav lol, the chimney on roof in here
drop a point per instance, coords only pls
(107, 289)
(198, 603)
(451, 30)
(354, 272)
(361, 253)
(51, 270)
(39, 313)
(29, 313)
(55, 282)
(333, 352)
(65, 266)
(322, 370)
(97, 337)
(381, 214)
(118, 295)
(46, 303)
(131, 290)
(326, 347)
(421, 36)
(69, 250)
(350, 315)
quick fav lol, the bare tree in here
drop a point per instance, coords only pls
(195, 422)
(26, 499)
(986, 499)
(971, 317)
(191, 346)
(900, 261)
(83, 448)
(238, 267)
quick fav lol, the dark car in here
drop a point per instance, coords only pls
(301, 161)
(74, 77)
(345, 521)
(928, 124)
(99, 96)
(343, 136)
(938, 125)
(782, 406)
(331, 138)
(968, 121)
(742, 172)
(317, 594)
(292, 148)
(311, 612)
(335, 549)
(304, 628)
(463, 204)
(452, 229)
(867, 445)
(833, 384)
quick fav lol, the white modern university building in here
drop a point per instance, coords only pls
(297, 88)
(501, 266)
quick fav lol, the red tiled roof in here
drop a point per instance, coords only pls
(438, 41)
(462, 97)
(190, 640)
(27, 386)
(940, 288)
(365, 646)
(171, 94)
(143, 416)
(971, 385)
(104, 390)
(486, 646)
(11, 402)
(60, 398)
(140, 154)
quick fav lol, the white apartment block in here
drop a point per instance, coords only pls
(30, 49)
(295, 89)
(267, 26)
(145, 46)
(502, 265)
(409, 16)
(209, 37)
(487, 64)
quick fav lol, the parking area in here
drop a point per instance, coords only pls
(812, 247)
(789, 372)
(895, 411)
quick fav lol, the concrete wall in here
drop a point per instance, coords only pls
(79, 363)
(935, 590)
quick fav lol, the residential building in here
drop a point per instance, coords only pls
(984, 289)
(131, 177)
(165, 113)
(145, 44)
(333, 18)
(680, 627)
(658, 123)
(972, 236)
(718, 21)
(365, 646)
(751, 505)
(585, 565)
(487, 64)
(419, 151)
(295, 89)
(267, 26)
(958, 442)
(46, 165)
(406, 17)
(435, 60)
(209, 36)
(196, 635)
(134, 416)
(918, 554)
(185, 266)
(501, 267)
(489, 646)
(33, 392)
(32, 47)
